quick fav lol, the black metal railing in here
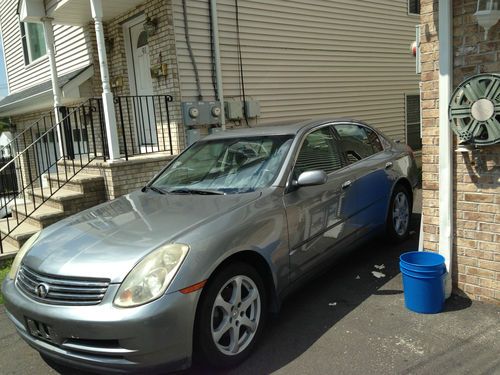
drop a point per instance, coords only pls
(144, 125)
(48, 155)
(8, 177)
(10, 148)
(41, 159)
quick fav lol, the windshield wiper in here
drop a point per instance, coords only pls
(196, 191)
(155, 189)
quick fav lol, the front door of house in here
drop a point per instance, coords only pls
(141, 84)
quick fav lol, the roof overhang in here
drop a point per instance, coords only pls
(71, 12)
(78, 12)
(40, 97)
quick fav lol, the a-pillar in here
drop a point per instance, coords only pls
(107, 95)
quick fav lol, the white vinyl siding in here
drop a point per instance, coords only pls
(72, 52)
(305, 59)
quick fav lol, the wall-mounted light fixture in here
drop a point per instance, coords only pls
(487, 14)
(150, 26)
(117, 82)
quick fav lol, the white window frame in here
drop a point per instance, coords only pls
(25, 40)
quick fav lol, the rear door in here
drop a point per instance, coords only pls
(314, 214)
(371, 178)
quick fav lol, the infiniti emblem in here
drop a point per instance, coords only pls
(42, 290)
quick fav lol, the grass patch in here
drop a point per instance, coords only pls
(4, 270)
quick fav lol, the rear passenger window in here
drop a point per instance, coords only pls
(374, 140)
(319, 152)
(358, 142)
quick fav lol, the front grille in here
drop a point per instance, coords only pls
(60, 290)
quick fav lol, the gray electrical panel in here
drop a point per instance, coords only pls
(201, 113)
(214, 130)
(252, 108)
(234, 110)
(192, 136)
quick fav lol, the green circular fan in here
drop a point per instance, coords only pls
(474, 110)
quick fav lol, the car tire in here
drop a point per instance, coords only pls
(399, 215)
(228, 327)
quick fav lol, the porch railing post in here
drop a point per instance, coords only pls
(107, 95)
(48, 31)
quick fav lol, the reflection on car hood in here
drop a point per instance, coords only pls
(108, 240)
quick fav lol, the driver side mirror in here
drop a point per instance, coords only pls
(311, 178)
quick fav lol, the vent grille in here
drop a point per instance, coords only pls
(61, 290)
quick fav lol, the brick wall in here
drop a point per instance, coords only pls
(476, 253)
(122, 177)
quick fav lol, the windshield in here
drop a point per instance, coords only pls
(226, 166)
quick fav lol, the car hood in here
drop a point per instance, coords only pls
(108, 240)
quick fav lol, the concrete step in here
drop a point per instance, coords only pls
(18, 236)
(8, 251)
(63, 199)
(80, 182)
(42, 217)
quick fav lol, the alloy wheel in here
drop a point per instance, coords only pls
(400, 213)
(235, 315)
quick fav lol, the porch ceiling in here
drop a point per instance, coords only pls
(77, 12)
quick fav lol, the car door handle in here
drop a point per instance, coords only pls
(388, 165)
(346, 184)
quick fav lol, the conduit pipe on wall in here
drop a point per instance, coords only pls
(218, 69)
(445, 139)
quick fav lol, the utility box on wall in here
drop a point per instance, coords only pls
(201, 113)
(234, 110)
(252, 108)
(192, 135)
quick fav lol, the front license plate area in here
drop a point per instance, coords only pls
(40, 330)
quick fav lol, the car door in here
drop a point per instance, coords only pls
(371, 179)
(314, 213)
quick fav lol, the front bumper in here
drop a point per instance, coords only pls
(107, 338)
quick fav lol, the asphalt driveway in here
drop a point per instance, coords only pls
(350, 320)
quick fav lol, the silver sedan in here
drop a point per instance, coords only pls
(194, 262)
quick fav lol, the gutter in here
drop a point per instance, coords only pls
(445, 139)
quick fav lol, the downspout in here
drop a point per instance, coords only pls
(445, 139)
(218, 69)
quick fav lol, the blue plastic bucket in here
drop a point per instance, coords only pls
(423, 281)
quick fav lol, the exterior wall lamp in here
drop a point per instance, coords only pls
(487, 14)
(150, 26)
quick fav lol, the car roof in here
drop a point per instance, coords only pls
(291, 127)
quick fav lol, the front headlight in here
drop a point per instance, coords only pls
(20, 255)
(150, 278)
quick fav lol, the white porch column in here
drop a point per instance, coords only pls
(48, 31)
(445, 139)
(107, 95)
